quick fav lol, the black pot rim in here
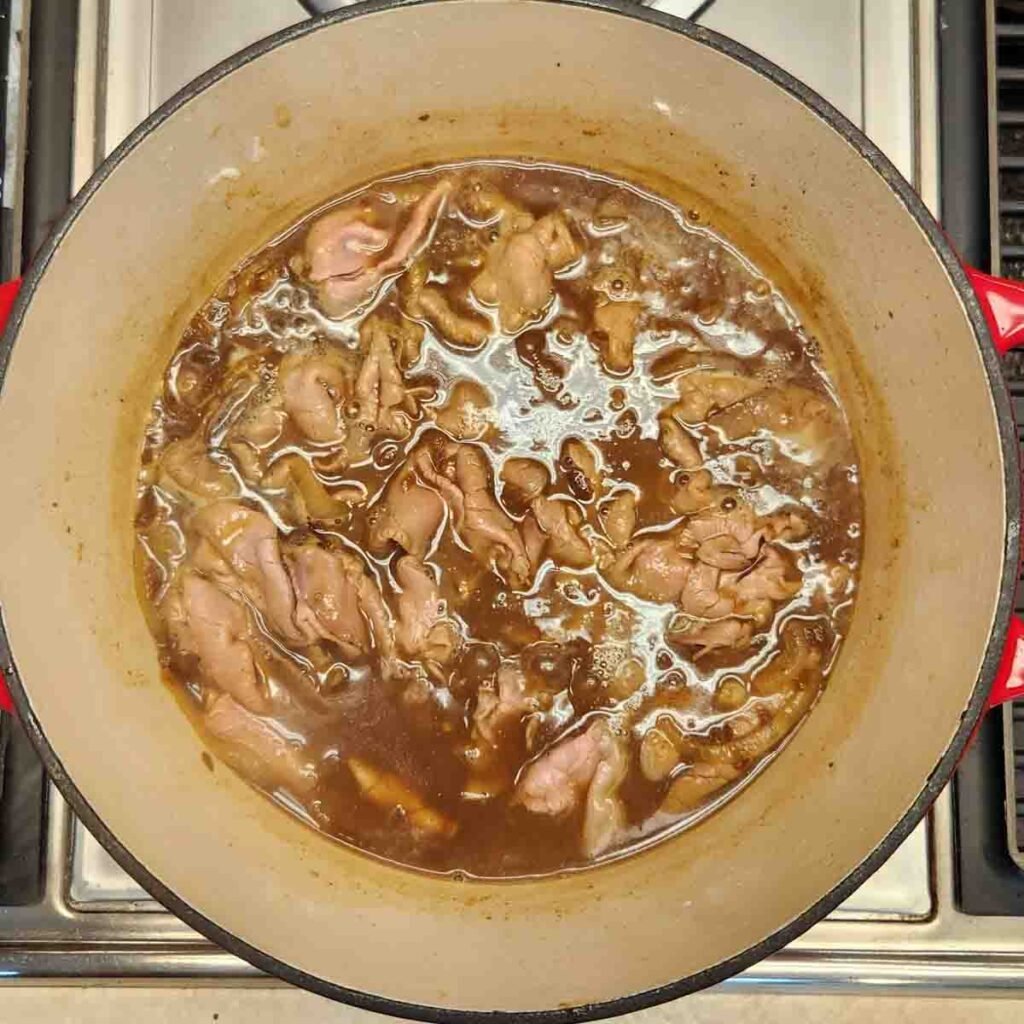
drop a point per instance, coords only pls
(941, 771)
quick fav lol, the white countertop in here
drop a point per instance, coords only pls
(114, 1005)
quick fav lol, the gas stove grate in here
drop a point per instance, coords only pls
(1009, 245)
(1015, 777)
(1010, 136)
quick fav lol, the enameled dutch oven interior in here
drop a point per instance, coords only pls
(312, 114)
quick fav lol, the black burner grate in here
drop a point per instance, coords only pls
(1009, 57)
(1015, 778)
(989, 881)
(1010, 136)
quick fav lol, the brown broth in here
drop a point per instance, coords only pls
(702, 309)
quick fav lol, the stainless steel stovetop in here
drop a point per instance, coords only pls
(876, 60)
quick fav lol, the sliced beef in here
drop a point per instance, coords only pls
(408, 514)
(316, 385)
(259, 749)
(654, 568)
(238, 546)
(586, 768)
(385, 405)
(467, 414)
(207, 622)
(726, 540)
(525, 479)
(704, 392)
(337, 599)
(423, 632)
(615, 324)
(695, 784)
(559, 521)
(517, 277)
(678, 443)
(186, 466)
(346, 258)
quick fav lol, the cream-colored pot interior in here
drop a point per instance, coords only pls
(325, 110)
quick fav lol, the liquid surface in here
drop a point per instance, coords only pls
(497, 519)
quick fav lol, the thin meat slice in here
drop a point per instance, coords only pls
(464, 480)
(506, 703)
(525, 479)
(341, 260)
(696, 491)
(413, 236)
(619, 516)
(255, 428)
(696, 784)
(338, 600)
(186, 467)
(467, 413)
(435, 466)
(423, 632)
(587, 768)
(555, 782)
(258, 749)
(559, 520)
(673, 360)
(206, 622)
(658, 754)
(615, 325)
(756, 592)
(629, 675)
(488, 530)
(678, 443)
(604, 817)
(422, 301)
(315, 387)
(535, 540)
(487, 204)
(300, 496)
(797, 414)
(797, 663)
(497, 723)
(654, 568)
(702, 595)
(239, 547)
(787, 526)
(709, 635)
(340, 244)
(785, 711)
(582, 468)
(408, 514)
(726, 540)
(518, 273)
(339, 297)
(385, 405)
(704, 392)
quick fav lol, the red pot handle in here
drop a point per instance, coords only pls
(1002, 302)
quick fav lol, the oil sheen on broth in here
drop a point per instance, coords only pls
(497, 518)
